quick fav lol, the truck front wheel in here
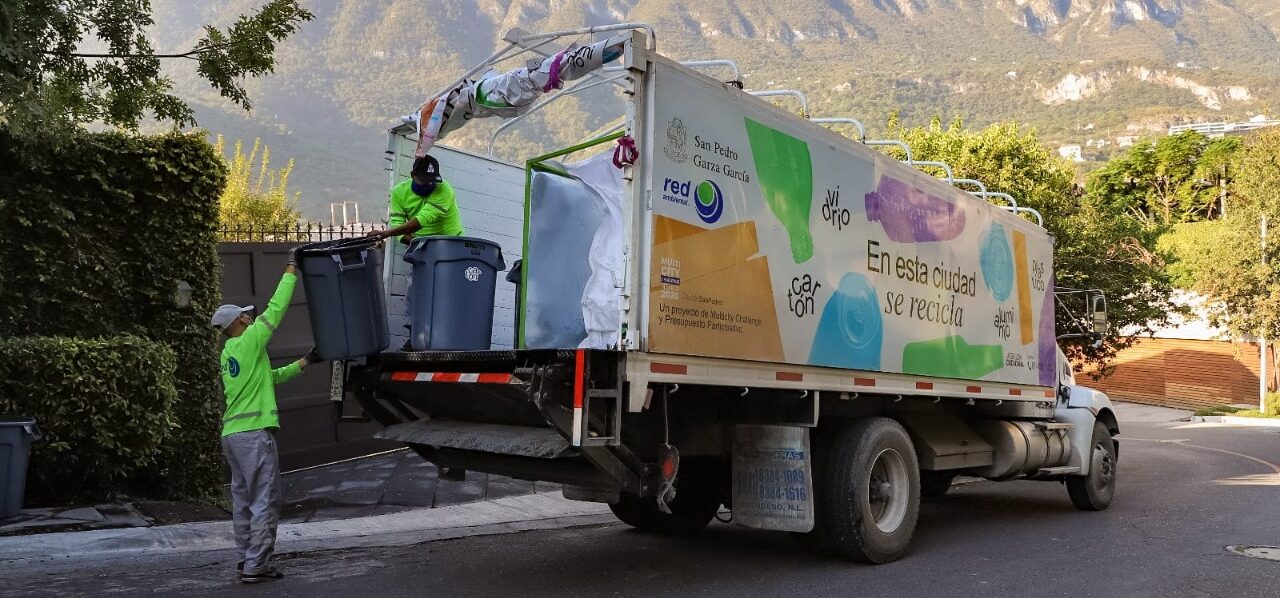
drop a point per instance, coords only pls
(1095, 491)
(868, 494)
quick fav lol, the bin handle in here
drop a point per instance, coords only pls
(33, 430)
(344, 267)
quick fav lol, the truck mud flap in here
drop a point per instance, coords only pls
(523, 441)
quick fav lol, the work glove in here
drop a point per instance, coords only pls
(312, 356)
(293, 256)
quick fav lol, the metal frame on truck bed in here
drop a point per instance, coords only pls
(672, 412)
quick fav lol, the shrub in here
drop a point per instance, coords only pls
(1271, 404)
(105, 407)
(1217, 410)
(99, 234)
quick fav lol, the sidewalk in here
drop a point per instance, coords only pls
(1138, 412)
(500, 516)
(382, 484)
(388, 483)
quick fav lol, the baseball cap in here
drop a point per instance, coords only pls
(226, 314)
(427, 169)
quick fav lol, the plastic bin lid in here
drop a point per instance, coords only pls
(419, 241)
(329, 247)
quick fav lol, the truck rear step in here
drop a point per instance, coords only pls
(523, 441)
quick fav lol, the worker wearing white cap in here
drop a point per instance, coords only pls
(250, 422)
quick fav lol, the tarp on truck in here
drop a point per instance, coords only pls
(775, 240)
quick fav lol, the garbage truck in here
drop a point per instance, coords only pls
(725, 308)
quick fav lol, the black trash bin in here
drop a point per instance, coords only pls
(451, 293)
(16, 436)
(514, 277)
(348, 311)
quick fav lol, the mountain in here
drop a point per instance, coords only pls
(1080, 71)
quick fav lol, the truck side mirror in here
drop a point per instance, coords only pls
(1100, 324)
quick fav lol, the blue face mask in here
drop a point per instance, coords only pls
(422, 190)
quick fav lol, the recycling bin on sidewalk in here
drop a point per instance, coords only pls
(343, 280)
(16, 436)
(451, 293)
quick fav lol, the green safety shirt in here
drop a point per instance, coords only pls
(437, 213)
(247, 376)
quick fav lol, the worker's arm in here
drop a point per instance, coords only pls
(407, 228)
(286, 373)
(427, 214)
(398, 221)
(263, 327)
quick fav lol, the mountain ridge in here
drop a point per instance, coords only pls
(1077, 70)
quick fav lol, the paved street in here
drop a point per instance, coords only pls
(1186, 492)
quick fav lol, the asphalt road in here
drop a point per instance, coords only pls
(1184, 495)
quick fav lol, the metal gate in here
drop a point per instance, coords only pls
(310, 430)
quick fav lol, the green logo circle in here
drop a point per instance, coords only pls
(706, 193)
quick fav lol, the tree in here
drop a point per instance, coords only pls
(256, 202)
(1094, 247)
(90, 61)
(1179, 178)
(1241, 273)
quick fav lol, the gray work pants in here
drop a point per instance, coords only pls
(255, 495)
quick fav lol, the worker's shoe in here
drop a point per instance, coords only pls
(268, 575)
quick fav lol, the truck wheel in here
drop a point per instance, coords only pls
(934, 484)
(697, 501)
(1095, 491)
(868, 492)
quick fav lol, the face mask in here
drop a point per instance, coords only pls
(423, 190)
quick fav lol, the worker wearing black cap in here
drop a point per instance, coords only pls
(423, 205)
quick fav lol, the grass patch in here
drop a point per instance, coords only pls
(1219, 410)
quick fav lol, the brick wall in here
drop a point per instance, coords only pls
(1187, 374)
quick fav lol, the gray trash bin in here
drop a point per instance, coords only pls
(451, 293)
(343, 280)
(16, 436)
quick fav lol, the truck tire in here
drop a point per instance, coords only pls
(697, 501)
(934, 484)
(868, 492)
(1095, 491)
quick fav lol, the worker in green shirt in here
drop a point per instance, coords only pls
(423, 205)
(250, 422)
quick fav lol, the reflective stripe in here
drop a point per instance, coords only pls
(268, 324)
(245, 415)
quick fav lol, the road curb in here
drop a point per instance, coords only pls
(1256, 422)
(505, 515)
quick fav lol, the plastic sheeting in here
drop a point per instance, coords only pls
(575, 257)
(601, 310)
(563, 218)
(509, 94)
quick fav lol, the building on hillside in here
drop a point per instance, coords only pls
(1126, 140)
(1188, 364)
(1220, 129)
(1072, 152)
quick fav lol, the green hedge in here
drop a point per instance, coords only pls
(98, 233)
(104, 406)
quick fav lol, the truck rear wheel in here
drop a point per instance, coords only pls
(868, 493)
(1095, 491)
(697, 501)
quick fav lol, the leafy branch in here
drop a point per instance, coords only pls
(47, 83)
